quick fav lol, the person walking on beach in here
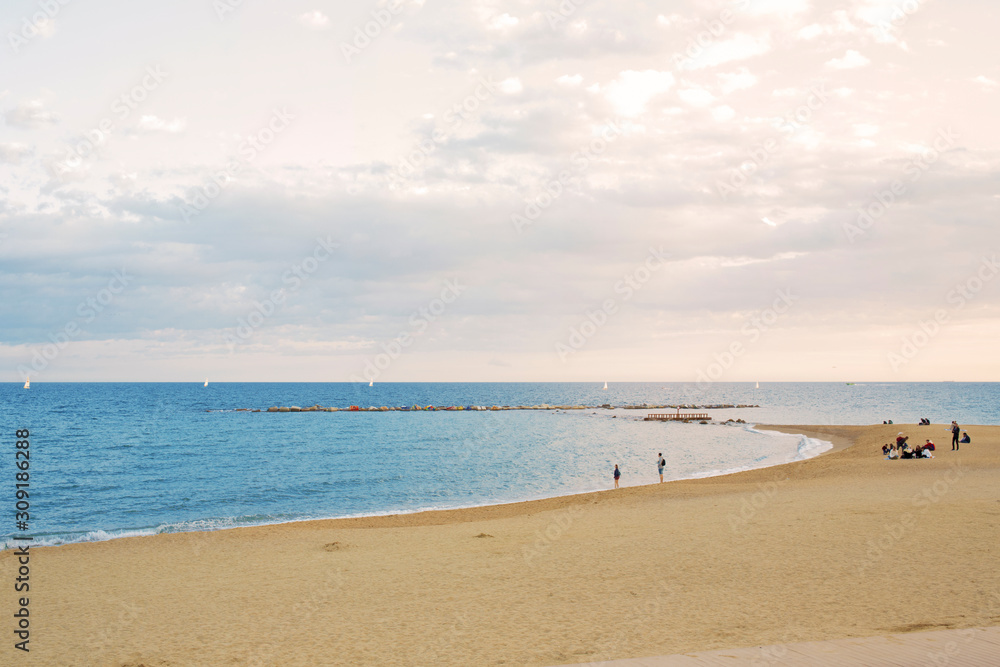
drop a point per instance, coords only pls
(660, 463)
(955, 430)
(618, 474)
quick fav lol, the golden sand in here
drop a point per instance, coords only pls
(843, 545)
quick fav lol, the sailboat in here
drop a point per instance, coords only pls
(206, 382)
(758, 385)
(605, 385)
(27, 382)
(371, 383)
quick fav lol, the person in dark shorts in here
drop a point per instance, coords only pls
(660, 463)
(955, 430)
(618, 474)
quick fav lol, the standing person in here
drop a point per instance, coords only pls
(660, 463)
(955, 430)
(618, 474)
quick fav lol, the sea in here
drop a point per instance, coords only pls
(110, 460)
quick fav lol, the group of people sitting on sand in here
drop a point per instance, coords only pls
(902, 450)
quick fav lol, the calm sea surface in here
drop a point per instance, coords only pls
(112, 459)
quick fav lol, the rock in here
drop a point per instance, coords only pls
(272, 409)
(283, 409)
(294, 408)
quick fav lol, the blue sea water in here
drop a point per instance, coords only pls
(117, 459)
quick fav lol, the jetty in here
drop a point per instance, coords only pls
(678, 416)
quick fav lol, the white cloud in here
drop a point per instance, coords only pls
(851, 60)
(740, 47)
(812, 31)
(736, 80)
(567, 80)
(865, 130)
(155, 124)
(696, 97)
(841, 24)
(29, 115)
(667, 21)
(511, 86)
(723, 113)
(315, 20)
(503, 22)
(986, 82)
(632, 90)
(778, 7)
(12, 153)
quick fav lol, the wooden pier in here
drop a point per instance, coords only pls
(677, 416)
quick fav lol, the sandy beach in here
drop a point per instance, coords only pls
(843, 545)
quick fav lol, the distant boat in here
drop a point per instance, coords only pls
(371, 383)
(27, 382)
(206, 382)
(605, 385)
(850, 384)
(758, 385)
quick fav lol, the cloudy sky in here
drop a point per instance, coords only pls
(493, 190)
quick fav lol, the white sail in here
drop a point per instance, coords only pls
(206, 382)
(27, 382)
(758, 384)
(371, 383)
(605, 385)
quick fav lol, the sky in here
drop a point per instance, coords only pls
(489, 190)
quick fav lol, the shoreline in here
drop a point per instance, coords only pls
(136, 533)
(818, 549)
